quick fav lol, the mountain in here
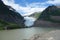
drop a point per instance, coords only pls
(35, 14)
(50, 11)
(10, 16)
(50, 17)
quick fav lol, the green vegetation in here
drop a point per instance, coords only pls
(8, 25)
(36, 15)
(56, 12)
(3, 23)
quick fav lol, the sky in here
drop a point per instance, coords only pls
(27, 7)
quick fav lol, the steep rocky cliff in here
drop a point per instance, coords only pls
(9, 15)
(50, 17)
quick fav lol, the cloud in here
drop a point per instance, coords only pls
(55, 2)
(29, 9)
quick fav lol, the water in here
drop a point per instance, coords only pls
(21, 34)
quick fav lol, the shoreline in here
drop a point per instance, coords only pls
(52, 35)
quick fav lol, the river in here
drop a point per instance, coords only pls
(21, 34)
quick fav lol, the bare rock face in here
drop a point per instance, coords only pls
(8, 14)
(53, 35)
(50, 17)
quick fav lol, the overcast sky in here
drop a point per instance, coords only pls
(27, 7)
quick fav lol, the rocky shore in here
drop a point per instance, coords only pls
(42, 23)
(52, 35)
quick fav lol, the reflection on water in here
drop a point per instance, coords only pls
(20, 34)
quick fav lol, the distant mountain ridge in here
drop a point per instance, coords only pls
(35, 15)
